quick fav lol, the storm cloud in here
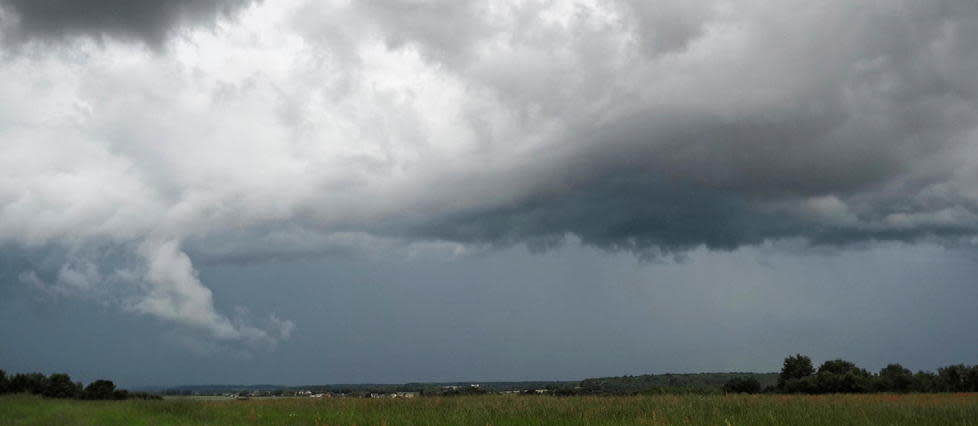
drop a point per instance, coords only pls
(144, 20)
(306, 128)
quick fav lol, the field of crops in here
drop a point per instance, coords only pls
(876, 409)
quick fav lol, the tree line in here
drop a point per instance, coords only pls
(798, 375)
(60, 385)
(699, 383)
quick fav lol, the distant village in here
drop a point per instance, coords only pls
(366, 392)
(311, 394)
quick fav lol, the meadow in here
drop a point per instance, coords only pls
(869, 409)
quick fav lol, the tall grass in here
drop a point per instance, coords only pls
(886, 409)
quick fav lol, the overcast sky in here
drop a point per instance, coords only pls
(299, 191)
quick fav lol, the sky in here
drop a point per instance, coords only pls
(300, 191)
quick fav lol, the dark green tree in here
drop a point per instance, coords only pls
(840, 376)
(742, 385)
(802, 385)
(34, 383)
(971, 379)
(953, 378)
(895, 378)
(61, 386)
(99, 389)
(796, 368)
(4, 383)
(925, 381)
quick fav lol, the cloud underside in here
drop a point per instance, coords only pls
(147, 21)
(300, 128)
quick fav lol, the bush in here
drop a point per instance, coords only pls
(742, 385)
(100, 389)
(802, 385)
(34, 383)
(143, 395)
(61, 386)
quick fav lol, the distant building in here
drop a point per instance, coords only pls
(405, 394)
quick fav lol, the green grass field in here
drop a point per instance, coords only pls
(878, 409)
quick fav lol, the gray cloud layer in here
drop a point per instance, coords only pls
(712, 124)
(308, 127)
(147, 20)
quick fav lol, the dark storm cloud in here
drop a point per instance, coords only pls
(620, 211)
(147, 20)
(671, 183)
(851, 124)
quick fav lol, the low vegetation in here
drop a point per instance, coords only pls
(837, 392)
(800, 410)
(839, 376)
(59, 385)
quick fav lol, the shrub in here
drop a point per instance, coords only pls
(34, 383)
(100, 389)
(742, 385)
(61, 386)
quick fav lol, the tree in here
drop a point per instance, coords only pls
(952, 378)
(840, 376)
(742, 385)
(4, 385)
(971, 379)
(895, 378)
(34, 383)
(796, 368)
(925, 381)
(803, 385)
(99, 389)
(61, 386)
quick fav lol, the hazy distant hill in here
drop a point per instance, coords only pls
(649, 383)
